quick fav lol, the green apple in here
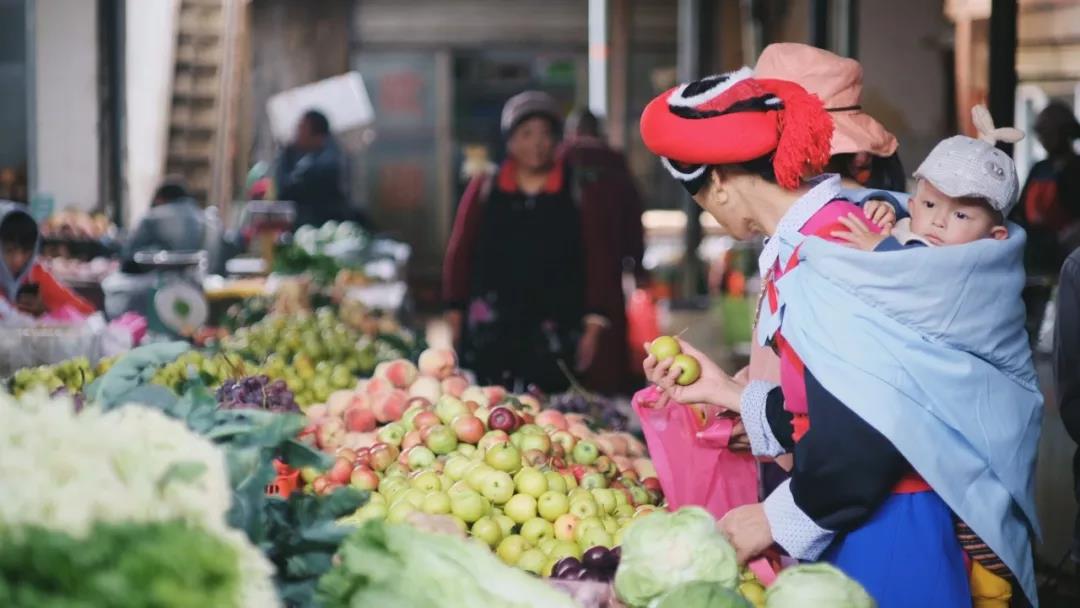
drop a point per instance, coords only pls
(593, 480)
(539, 442)
(503, 457)
(449, 407)
(565, 548)
(376, 498)
(605, 499)
(510, 549)
(580, 493)
(459, 487)
(565, 525)
(571, 481)
(537, 529)
(389, 486)
(436, 503)
(392, 434)
(372, 511)
(505, 523)
(532, 560)
(639, 494)
(441, 439)
(596, 537)
(664, 347)
(487, 530)
(407, 417)
(497, 487)
(586, 452)
(469, 506)
(555, 482)
(546, 544)
(531, 481)
(624, 510)
(445, 483)
(584, 508)
(552, 504)
(401, 510)
(620, 498)
(427, 481)
(396, 469)
(521, 508)
(420, 457)
(585, 527)
(616, 539)
(414, 496)
(476, 475)
(610, 525)
(466, 449)
(690, 369)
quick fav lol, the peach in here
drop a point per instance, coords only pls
(604, 443)
(469, 429)
(317, 412)
(634, 447)
(330, 434)
(378, 386)
(438, 363)
(359, 419)
(338, 401)
(428, 388)
(455, 386)
(389, 407)
(619, 444)
(359, 441)
(552, 418)
(340, 471)
(400, 372)
(580, 430)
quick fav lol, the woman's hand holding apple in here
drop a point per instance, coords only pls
(713, 386)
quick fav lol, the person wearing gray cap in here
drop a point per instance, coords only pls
(966, 189)
(526, 273)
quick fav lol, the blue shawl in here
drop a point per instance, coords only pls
(928, 346)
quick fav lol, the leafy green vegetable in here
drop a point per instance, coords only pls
(702, 594)
(159, 565)
(393, 565)
(663, 550)
(811, 585)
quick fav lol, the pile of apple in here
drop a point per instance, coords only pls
(535, 485)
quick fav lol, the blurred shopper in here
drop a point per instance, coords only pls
(311, 172)
(1050, 208)
(605, 183)
(528, 271)
(24, 282)
(175, 222)
(1066, 367)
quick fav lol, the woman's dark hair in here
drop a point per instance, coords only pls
(886, 172)
(553, 121)
(318, 122)
(19, 227)
(170, 191)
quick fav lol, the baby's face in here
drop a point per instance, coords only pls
(944, 220)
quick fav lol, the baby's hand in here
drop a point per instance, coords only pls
(858, 235)
(880, 213)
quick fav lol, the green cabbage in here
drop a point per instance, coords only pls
(702, 594)
(662, 550)
(396, 565)
(813, 585)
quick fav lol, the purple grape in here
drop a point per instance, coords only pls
(598, 559)
(564, 564)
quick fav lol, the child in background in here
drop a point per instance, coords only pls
(22, 279)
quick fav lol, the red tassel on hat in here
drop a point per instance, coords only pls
(805, 130)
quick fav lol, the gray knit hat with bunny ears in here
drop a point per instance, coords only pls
(962, 166)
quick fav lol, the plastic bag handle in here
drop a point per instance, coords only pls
(763, 570)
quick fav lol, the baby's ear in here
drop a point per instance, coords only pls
(999, 233)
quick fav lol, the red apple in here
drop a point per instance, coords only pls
(340, 471)
(425, 419)
(469, 429)
(412, 438)
(364, 479)
(359, 419)
(552, 418)
(652, 484)
(503, 419)
(495, 394)
(492, 438)
(382, 456)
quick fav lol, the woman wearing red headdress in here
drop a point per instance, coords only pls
(744, 148)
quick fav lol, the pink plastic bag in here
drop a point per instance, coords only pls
(691, 457)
